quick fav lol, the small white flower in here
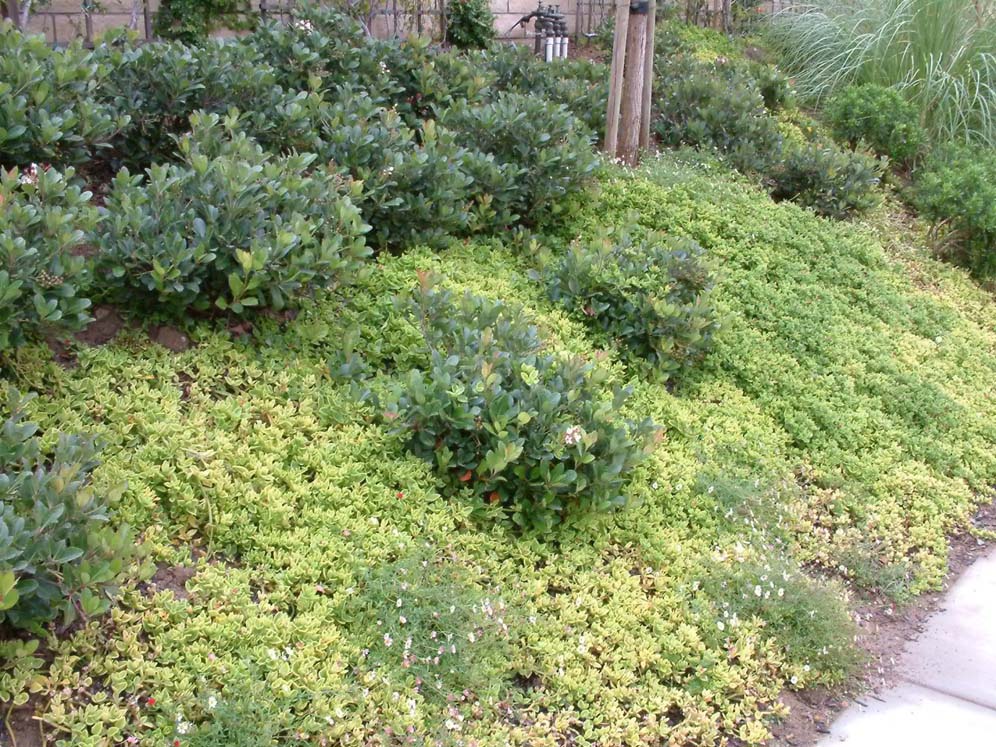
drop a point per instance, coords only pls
(781, 592)
(720, 625)
(471, 637)
(398, 603)
(182, 727)
(794, 680)
(212, 703)
(757, 591)
(388, 641)
(572, 436)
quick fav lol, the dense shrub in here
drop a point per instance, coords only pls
(545, 143)
(833, 182)
(158, 86)
(48, 108)
(416, 189)
(57, 556)
(43, 220)
(651, 295)
(469, 24)
(324, 50)
(531, 432)
(580, 85)
(956, 190)
(230, 226)
(716, 106)
(879, 117)
(772, 84)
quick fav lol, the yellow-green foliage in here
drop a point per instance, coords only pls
(846, 407)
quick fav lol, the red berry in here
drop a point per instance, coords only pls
(151, 701)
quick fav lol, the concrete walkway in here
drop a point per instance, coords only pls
(947, 691)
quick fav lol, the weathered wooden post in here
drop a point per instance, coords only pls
(627, 123)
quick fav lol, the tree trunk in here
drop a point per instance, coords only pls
(632, 97)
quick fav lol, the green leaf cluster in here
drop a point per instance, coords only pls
(651, 296)
(229, 227)
(58, 556)
(532, 432)
(50, 112)
(44, 221)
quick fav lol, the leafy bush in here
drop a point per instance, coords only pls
(879, 117)
(651, 295)
(833, 182)
(469, 24)
(229, 227)
(57, 557)
(413, 192)
(580, 85)
(716, 106)
(772, 84)
(545, 143)
(324, 50)
(530, 432)
(158, 86)
(423, 616)
(43, 221)
(48, 107)
(956, 190)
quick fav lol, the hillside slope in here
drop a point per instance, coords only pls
(844, 424)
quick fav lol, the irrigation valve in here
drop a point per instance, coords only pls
(550, 31)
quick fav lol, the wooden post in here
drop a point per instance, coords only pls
(616, 77)
(14, 12)
(648, 78)
(632, 97)
(147, 20)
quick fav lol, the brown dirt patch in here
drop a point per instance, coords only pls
(170, 338)
(170, 578)
(106, 324)
(884, 630)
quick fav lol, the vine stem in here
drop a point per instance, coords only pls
(6, 725)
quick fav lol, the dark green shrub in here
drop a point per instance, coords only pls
(580, 85)
(956, 191)
(158, 86)
(530, 432)
(716, 106)
(469, 24)
(425, 81)
(652, 296)
(324, 50)
(879, 117)
(833, 182)
(772, 84)
(58, 558)
(545, 143)
(43, 222)
(229, 227)
(48, 107)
